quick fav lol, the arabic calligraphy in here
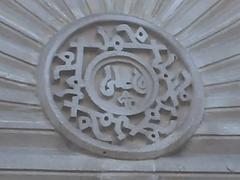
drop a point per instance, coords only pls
(123, 84)
(117, 77)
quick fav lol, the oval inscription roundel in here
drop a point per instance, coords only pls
(120, 87)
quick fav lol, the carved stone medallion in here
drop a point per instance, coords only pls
(121, 87)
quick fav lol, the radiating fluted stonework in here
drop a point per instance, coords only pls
(120, 87)
(32, 148)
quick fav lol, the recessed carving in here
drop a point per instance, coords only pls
(120, 86)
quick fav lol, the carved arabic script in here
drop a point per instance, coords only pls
(128, 87)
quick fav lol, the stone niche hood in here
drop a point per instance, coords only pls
(119, 89)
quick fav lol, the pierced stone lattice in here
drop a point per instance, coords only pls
(120, 85)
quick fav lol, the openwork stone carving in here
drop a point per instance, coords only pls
(120, 87)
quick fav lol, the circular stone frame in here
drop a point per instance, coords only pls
(168, 145)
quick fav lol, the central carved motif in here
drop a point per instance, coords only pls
(118, 85)
(123, 84)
